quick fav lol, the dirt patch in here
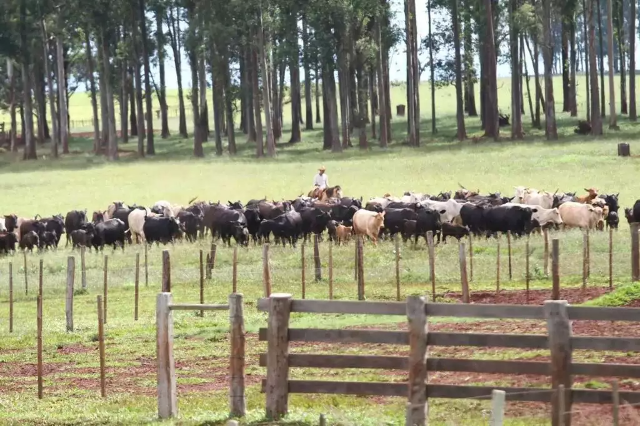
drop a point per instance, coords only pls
(535, 297)
(75, 349)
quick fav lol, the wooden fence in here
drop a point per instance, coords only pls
(167, 390)
(559, 341)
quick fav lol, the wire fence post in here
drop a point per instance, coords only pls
(10, 297)
(330, 271)
(166, 272)
(83, 268)
(40, 276)
(527, 277)
(509, 254)
(497, 407)
(432, 264)
(235, 270)
(498, 265)
(610, 258)
(615, 399)
(137, 288)
(237, 399)
(39, 326)
(555, 267)
(545, 233)
(361, 293)
(201, 280)
(470, 258)
(463, 273)
(26, 279)
(101, 321)
(635, 253)
(316, 259)
(146, 265)
(397, 253)
(71, 272)
(303, 267)
(266, 272)
(106, 285)
(559, 331)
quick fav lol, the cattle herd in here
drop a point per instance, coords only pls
(448, 214)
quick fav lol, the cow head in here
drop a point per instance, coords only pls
(11, 222)
(628, 213)
(98, 217)
(378, 220)
(235, 205)
(613, 220)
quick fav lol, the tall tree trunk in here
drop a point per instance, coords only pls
(373, 95)
(536, 78)
(434, 128)
(613, 119)
(266, 88)
(566, 79)
(382, 109)
(162, 96)
(307, 74)
(112, 140)
(596, 118)
(294, 71)
(27, 128)
(573, 63)
(216, 90)
(461, 132)
(228, 101)
(343, 82)
(632, 62)
(331, 115)
(317, 92)
(38, 90)
(551, 130)
(175, 37)
(52, 101)
(622, 55)
(491, 115)
(470, 95)
(137, 73)
(410, 80)
(12, 104)
(133, 120)
(585, 19)
(151, 150)
(249, 93)
(204, 105)
(601, 56)
(94, 100)
(516, 89)
(256, 101)
(198, 130)
(526, 76)
(124, 100)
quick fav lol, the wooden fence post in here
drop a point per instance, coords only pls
(417, 321)
(39, 343)
(83, 268)
(559, 329)
(237, 400)
(266, 272)
(167, 393)
(463, 273)
(234, 270)
(527, 277)
(355, 259)
(509, 254)
(615, 397)
(555, 269)
(470, 258)
(497, 407)
(498, 265)
(146, 265)
(361, 293)
(432, 264)
(316, 259)
(106, 285)
(101, 322)
(211, 260)
(10, 297)
(166, 272)
(40, 276)
(545, 233)
(588, 255)
(585, 274)
(330, 271)
(303, 276)
(397, 251)
(26, 279)
(610, 258)
(71, 274)
(137, 288)
(201, 280)
(635, 253)
(277, 388)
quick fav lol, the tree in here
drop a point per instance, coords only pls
(306, 61)
(461, 130)
(27, 129)
(596, 117)
(412, 70)
(162, 93)
(151, 150)
(613, 121)
(492, 129)
(516, 89)
(52, 101)
(434, 129)
(551, 130)
(62, 89)
(632, 61)
(175, 40)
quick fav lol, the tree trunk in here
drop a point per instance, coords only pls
(587, 71)
(551, 130)
(133, 121)
(256, 102)
(228, 101)
(162, 95)
(62, 97)
(266, 88)
(461, 132)
(382, 109)
(632, 62)
(175, 37)
(343, 82)
(294, 71)
(27, 128)
(38, 90)
(307, 75)
(317, 91)
(151, 150)
(331, 117)
(601, 56)
(112, 140)
(596, 118)
(613, 119)
(204, 105)
(434, 128)
(516, 90)
(124, 102)
(622, 55)
(566, 82)
(411, 130)
(52, 102)
(373, 95)
(12, 104)
(198, 130)
(526, 76)
(491, 114)
(137, 73)
(218, 102)
(248, 94)
(94, 100)
(536, 79)
(470, 95)
(573, 63)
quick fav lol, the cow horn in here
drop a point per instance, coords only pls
(556, 192)
(193, 199)
(461, 186)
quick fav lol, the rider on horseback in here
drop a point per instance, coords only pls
(320, 182)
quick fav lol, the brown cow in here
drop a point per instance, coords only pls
(343, 233)
(368, 223)
(586, 199)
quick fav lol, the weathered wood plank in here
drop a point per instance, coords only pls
(341, 307)
(416, 411)
(489, 366)
(198, 307)
(606, 343)
(277, 360)
(588, 396)
(71, 274)
(344, 336)
(606, 370)
(489, 340)
(559, 329)
(344, 361)
(237, 400)
(484, 392)
(167, 392)
(348, 388)
(461, 310)
(603, 314)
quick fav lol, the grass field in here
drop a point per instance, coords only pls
(82, 180)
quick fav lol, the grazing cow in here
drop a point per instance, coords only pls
(49, 240)
(29, 240)
(408, 230)
(108, 214)
(8, 242)
(343, 234)
(123, 213)
(253, 222)
(579, 215)
(111, 232)
(160, 229)
(427, 220)
(612, 220)
(563, 197)
(218, 219)
(11, 222)
(542, 198)
(455, 231)
(190, 224)
(379, 203)
(515, 219)
(28, 225)
(74, 220)
(611, 200)
(82, 238)
(368, 223)
(590, 195)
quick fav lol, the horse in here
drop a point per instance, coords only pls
(327, 193)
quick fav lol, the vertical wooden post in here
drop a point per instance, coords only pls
(509, 254)
(71, 274)
(330, 271)
(322, 421)
(610, 258)
(615, 397)
(497, 407)
(432, 264)
(560, 393)
(316, 259)
(10, 297)
(277, 388)
(202, 280)
(39, 326)
(555, 269)
(211, 260)
(545, 233)
(397, 251)
(417, 402)
(235, 270)
(26, 279)
(106, 285)
(166, 272)
(470, 258)
(303, 277)
(463, 273)
(361, 292)
(585, 243)
(137, 288)
(527, 277)
(266, 272)
(167, 393)
(40, 276)
(635, 253)
(355, 259)
(101, 322)
(83, 268)
(237, 402)
(146, 265)
(588, 255)
(498, 265)
(559, 329)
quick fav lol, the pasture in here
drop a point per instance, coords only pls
(82, 180)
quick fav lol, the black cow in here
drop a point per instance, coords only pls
(401, 205)
(558, 200)
(612, 220)
(427, 220)
(473, 217)
(236, 229)
(452, 230)
(97, 217)
(74, 220)
(49, 240)
(8, 242)
(218, 219)
(331, 229)
(110, 233)
(611, 200)
(394, 219)
(81, 238)
(29, 240)
(10, 222)
(160, 229)
(633, 214)
(285, 228)
(409, 230)
(253, 222)
(342, 213)
(314, 221)
(54, 224)
(351, 202)
(515, 219)
(190, 224)
(122, 213)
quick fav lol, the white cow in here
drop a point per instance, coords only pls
(535, 198)
(136, 224)
(540, 214)
(3, 227)
(448, 210)
(165, 207)
(519, 195)
(577, 215)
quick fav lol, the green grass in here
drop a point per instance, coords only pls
(82, 180)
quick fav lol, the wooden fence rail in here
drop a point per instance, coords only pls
(559, 341)
(167, 390)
